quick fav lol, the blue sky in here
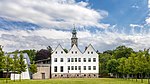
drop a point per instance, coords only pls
(105, 24)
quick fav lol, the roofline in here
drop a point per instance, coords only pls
(77, 48)
(57, 47)
(89, 46)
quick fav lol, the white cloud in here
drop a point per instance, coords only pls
(136, 25)
(53, 13)
(37, 39)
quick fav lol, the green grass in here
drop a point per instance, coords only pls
(77, 81)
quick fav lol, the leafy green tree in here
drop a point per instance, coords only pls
(22, 65)
(33, 68)
(103, 59)
(15, 67)
(122, 51)
(121, 66)
(112, 66)
(1, 60)
(8, 64)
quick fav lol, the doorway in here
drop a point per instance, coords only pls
(43, 75)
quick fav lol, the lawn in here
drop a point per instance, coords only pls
(76, 81)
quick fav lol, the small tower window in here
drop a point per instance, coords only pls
(61, 52)
(72, 52)
(56, 52)
(92, 52)
(76, 52)
(88, 52)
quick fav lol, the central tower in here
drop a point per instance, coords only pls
(74, 39)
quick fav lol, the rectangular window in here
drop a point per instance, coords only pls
(79, 59)
(94, 59)
(68, 67)
(55, 68)
(89, 60)
(72, 67)
(94, 67)
(84, 67)
(68, 59)
(61, 60)
(72, 60)
(75, 59)
(84, 59)
(61, 68)
(89, 67)
(79, 67)
(55, 59)
(75, 67)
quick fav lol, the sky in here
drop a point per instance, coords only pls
(106, 24)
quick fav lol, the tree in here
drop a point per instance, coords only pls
(1, 60)
(42, 54)
(103, 59)
(31, 54)
(8, 64)
(122, 51)
(15, 67)
(121, 66)
(33, 68)
(22, 65)
(112, 66)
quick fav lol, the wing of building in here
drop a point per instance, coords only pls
(73, 64)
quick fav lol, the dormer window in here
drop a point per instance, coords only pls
(56, 52)
(92, 52)
(88, 52)
(61, 52)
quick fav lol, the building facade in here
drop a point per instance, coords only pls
(74, 64)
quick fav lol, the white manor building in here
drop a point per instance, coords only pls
(74, 63)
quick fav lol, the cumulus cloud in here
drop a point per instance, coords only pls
(37, 39)
(53, 13)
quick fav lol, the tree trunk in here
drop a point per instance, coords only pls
(7, 77)
(132, 77)
(14, 76)
(136, 77)
(148, 78)
(141, 78)
(20, 77)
